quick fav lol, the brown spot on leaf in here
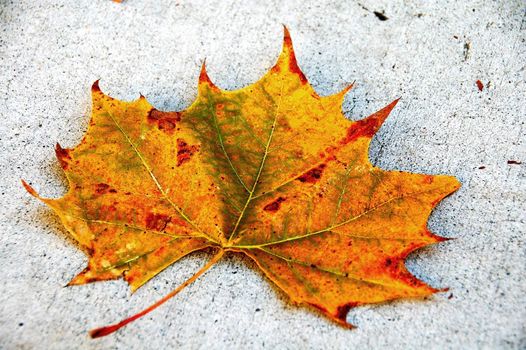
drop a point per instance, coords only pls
(392, 265)
(157, 222)
(343, 310)
(166, 121)
(275, 205)
(313, 175)
(101, 188)
(63, 156)
(299, 154)
(108, 211)
(428, 179)
(184, 151)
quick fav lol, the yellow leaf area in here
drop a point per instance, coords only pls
(272, 170)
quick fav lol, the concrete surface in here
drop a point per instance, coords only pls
(429, 52)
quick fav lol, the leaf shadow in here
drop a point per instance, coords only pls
(47, 221)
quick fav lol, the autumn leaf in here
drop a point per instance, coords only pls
(273, 171)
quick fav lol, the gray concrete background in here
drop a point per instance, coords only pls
(430, 53)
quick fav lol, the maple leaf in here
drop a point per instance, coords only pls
(272, 170)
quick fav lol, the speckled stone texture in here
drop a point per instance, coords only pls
(431, 53)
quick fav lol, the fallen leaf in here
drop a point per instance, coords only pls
(273, 171)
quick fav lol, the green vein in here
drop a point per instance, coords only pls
(222, 145)
(261, 166)
(310, 288)
(334, 272)
(249, 129)
(137, 228)
(330, 228)
(286, 182)
(342, 193)
(137, 257)
(378, 238)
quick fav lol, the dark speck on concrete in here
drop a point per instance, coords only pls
(380, 16)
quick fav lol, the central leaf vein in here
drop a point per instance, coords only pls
(260, 169)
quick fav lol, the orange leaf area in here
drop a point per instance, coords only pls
(272, 170)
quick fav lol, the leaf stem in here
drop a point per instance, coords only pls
(103, 331)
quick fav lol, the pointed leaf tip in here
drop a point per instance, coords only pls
(288, 48)
(204, 78)
(444, 239)
(287, 59)
(393, 104)
(369, 126)
(63, 156)
(382, 114)
(95, 87)
(345, 90)
(286, 36)
(339, 97)
(348, 88)
(29, 189)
